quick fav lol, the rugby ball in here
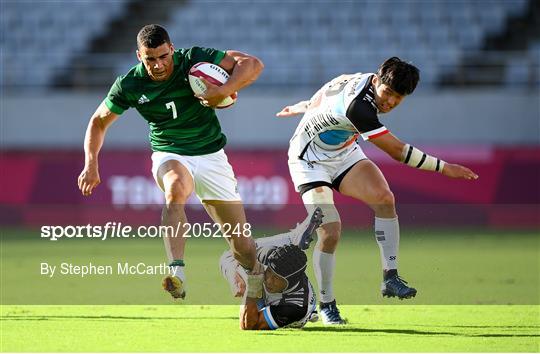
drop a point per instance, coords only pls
(214, 74)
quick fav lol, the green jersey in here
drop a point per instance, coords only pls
(178, 122)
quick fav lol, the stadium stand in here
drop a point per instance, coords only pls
(507, 56)
(301, 42)
(39, 38)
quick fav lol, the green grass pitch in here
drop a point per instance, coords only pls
(478, 292)
(213, 328)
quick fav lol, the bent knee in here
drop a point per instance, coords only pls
(331, 231)
(384, 197)
(177, 191)
(329, 235)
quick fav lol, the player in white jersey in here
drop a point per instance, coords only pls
(324, 155)
(277, 292)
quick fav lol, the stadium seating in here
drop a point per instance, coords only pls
(524, 67)
(309, 42)
(38, 38)
(301, 42)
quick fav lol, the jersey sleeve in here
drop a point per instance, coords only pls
(365, 120)
(198, 54)
(116, 99)
(282, 315)
(263, 252)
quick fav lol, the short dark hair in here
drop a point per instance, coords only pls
(400, 75)
(152, 36)
(288, 261)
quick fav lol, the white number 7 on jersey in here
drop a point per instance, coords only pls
(170, 105)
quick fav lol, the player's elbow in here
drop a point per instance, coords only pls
(96, 124)
(396, 155)
(259, 65)
(256, 65)
(396, 152)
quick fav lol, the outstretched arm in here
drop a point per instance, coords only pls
(315, 101)
(292, 110)
(243, 68)
(414, 157)
(250, 316)
(93, 140)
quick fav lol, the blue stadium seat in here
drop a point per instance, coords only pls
(311, 39)
(36, 28)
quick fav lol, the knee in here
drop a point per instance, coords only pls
(176, 191)
(384, 197)
(329, 235)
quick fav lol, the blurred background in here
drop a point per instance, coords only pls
(477, 104)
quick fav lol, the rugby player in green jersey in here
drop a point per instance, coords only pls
(185, 136)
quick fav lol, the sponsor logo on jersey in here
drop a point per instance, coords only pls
(143, 100)
(318, 123)
(353, 86)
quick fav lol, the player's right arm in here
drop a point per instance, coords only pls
(292, 110)
(302, 106)
(102, 118)
(250, 316)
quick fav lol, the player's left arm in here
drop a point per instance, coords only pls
(416, 158)
(294, 109)
(250, 316)
(243, 69)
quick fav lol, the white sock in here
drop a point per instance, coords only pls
(323, 265)
(387, 236)
(179, 273)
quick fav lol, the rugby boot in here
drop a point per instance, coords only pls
(394, 286)
(174, 286)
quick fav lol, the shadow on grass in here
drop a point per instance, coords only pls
(480, 326)
(411, 332)
(46, 318)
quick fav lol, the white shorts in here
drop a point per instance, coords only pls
(212, 174)
(328, 170)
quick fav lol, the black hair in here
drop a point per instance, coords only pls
(400, 75)
(152, 36)
(287, 261)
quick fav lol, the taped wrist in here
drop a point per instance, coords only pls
(254, 285)
(418, 159)
(255, 278)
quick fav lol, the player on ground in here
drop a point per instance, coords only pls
(324, 155)
(185, 137)
(278, 293)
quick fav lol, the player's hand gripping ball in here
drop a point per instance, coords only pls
(214, 74)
